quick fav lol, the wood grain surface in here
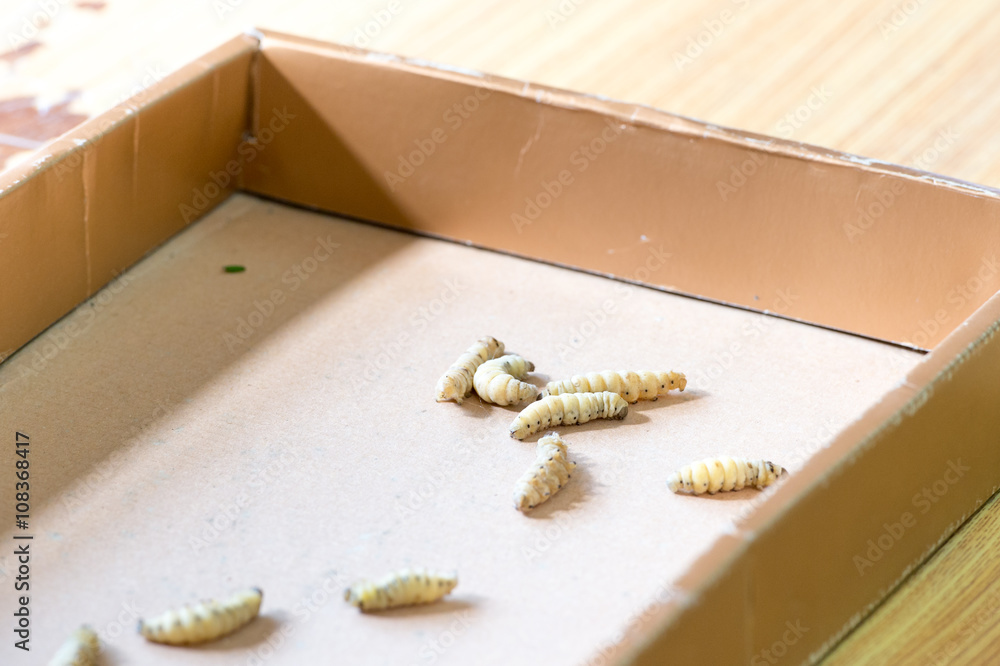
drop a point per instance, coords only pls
(908, 81)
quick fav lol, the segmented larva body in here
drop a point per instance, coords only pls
(456, 384)
(552, 469)
(406, 587)
(723, 473)
(499, 380)
(81, 649)
(203, 622)
(569, 409)
(633, 386)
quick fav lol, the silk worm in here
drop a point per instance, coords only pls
(547, 476)
(633, 386)
(457, 382)
(203, 622)
(569, 408)
(499, 380)
(81, 649)
(723, 473)
(406, 587)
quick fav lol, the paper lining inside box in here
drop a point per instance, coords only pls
(277, 428)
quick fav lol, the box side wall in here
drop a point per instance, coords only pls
(43, 258)
(111, 190)
(639, 195)
(812, 566)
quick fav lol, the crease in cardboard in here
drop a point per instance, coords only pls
(530, 142)
(86, 174)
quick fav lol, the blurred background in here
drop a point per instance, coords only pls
(908, 81)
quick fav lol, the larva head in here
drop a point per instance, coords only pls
(552, 439)
(769, 473)
(671, 380)
(619, 408)
(520, 428)
(675, 483)
(448, 391)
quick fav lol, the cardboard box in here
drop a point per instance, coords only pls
(193, 431)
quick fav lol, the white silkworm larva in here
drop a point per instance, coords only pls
(81, 649)
(723, 473)
(456, 384)
(406, 587)
(203, 622)
(568, 409)
(499, 380)
(633, 386)
(551, 470)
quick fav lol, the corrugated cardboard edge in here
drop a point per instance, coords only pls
(91, 203)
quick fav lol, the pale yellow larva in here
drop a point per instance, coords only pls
(456, 383)
(499, 380)
(551, 470)
(81, 649)
(568, 409)
(406, 587)
(633, 386)
(723, 473)
(203, 622)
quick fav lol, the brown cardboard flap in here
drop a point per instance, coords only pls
(106, 193)
(856, 245)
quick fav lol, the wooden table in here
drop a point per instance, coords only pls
(912, 82)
